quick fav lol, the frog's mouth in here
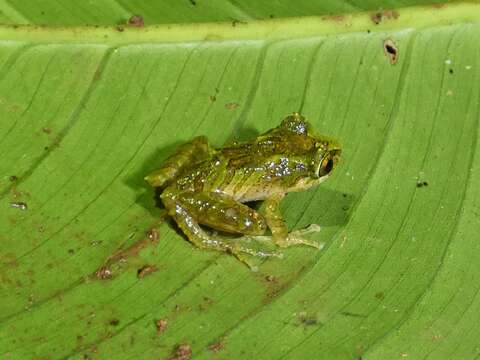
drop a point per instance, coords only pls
(328, 163)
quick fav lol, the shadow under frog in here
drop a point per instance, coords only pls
(198, 187)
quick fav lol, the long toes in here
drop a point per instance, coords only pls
(310, 229)
(294, 240)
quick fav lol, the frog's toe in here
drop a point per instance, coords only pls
(296, 237)
(254, 261)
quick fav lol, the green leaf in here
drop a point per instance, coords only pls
(87, 112)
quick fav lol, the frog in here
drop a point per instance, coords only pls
(208, 191)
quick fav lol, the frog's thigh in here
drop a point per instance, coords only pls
(188, 208)
(187, 154)
(223, 213)
(190, 227)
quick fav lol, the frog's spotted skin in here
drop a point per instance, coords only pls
(208, 186)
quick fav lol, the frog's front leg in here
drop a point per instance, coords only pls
(279, 230)
(221, 213)
(187, 154)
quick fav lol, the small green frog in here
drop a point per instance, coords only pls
(205, 186)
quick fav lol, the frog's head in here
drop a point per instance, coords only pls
(324, 151)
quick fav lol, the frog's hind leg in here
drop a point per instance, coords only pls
(220, 213)
(280, 234)
(187, 154)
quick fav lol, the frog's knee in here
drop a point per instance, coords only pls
(252, 225)
(244, 221)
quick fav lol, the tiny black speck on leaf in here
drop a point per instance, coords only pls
(421, 184)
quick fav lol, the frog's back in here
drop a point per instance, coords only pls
(250, 171)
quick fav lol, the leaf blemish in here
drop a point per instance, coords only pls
(421, 184)
(236, 22)
(19, 205)
(306, 319)
(161, 325)
(146, 270)
(216, 347)
(136, 20)
(379, 16)
(391, 51)
(181, 352)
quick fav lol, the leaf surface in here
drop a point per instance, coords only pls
(88, 112)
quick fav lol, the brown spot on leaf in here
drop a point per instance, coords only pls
(146, 270)
(271, 278)
(336, 18)
(152, 235)
(161, 325)
(379, 16)
(104, 273)
(181, 352)
(136, 21)
(216, 347)
(232, 106)
(376, 17)
(391, 51)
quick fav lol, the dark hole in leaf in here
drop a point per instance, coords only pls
(391, 51)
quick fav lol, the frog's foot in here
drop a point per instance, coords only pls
(245, 248)
(296, 237)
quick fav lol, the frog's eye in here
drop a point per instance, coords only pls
(326, 166)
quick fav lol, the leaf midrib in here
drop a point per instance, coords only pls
(272, 29)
